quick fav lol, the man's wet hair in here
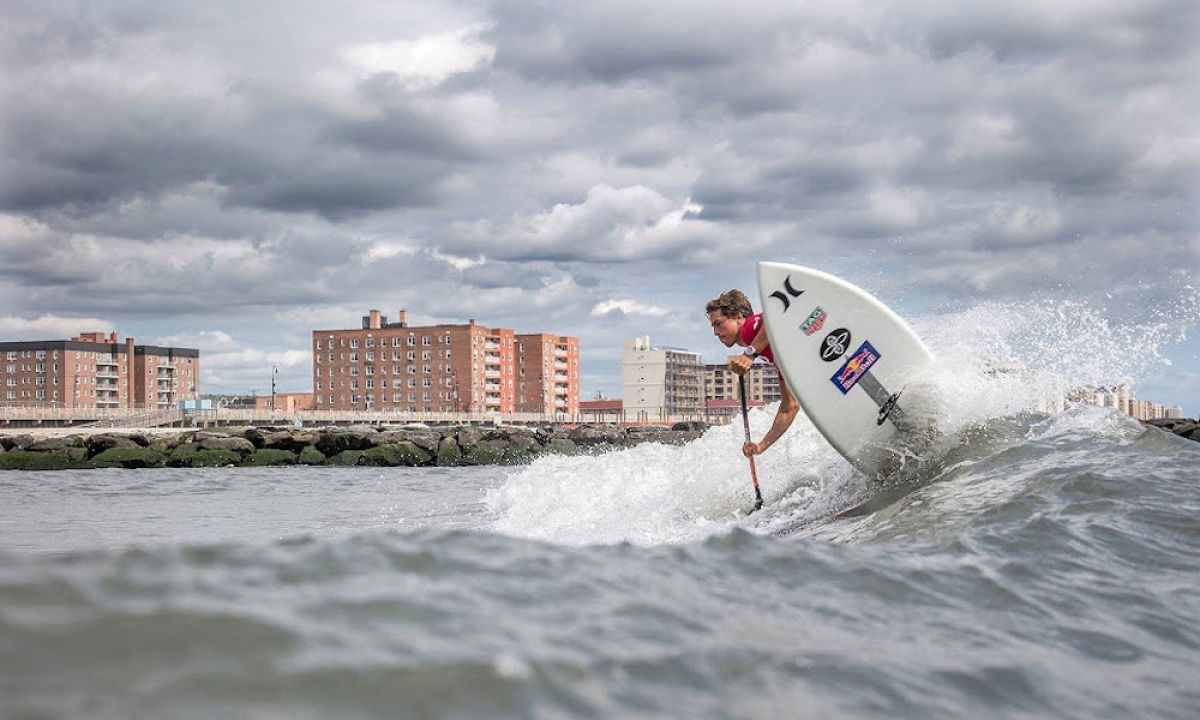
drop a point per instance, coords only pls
(731, 303)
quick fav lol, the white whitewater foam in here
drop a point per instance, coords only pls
(993, 361)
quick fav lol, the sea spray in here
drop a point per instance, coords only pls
(1003, 375)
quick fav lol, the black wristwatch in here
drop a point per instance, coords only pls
(750, 351)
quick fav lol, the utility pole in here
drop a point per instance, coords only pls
(274, 374)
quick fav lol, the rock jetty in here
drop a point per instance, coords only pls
(1182, 427)
(407, 446)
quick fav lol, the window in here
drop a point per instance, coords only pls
(318, 344)
(427, 382)
(412, 340)
(396, 342)
(354, 342)
(370, 341)
(426, 340)
(354, 370)
(447, 338)
(370, 357)
(426, 354)
(370, 384)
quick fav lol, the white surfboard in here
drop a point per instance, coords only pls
(847, 358)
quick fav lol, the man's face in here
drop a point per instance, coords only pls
(726, 329)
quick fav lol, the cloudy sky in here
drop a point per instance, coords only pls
(232, 175)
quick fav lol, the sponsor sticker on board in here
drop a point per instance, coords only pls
(855, 367)
(815, 321)
(835, 344)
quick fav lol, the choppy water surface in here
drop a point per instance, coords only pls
(1045, 565)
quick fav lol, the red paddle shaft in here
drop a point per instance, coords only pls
(758, 501)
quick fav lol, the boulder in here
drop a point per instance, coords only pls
(467, 436)
(560, 446)
(401, 454)
(50, 444)
(238, 445)
(129, 457)
(97, 444)
(18, 459)
(690, 426)
(591, 436)
(309, 455)
(346, 457)
(497, 451)
(13, 442)
(167, 444)
(290, 440)
(256, 437)
(449, 454)
(425, 439)
(333, 441)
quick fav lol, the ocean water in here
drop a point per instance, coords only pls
(1031, 563)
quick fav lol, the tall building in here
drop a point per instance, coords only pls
(547, 373)
(660, 382)
(443, 368)
(762, 383)
(94, 371)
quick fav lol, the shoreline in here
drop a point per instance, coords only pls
(408, 446)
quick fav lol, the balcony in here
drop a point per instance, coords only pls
(107, 375)
(106, 361)
(491, 374)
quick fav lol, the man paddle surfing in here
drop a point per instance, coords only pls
(734, 322)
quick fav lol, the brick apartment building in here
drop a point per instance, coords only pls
(94, 371)
(444, 368)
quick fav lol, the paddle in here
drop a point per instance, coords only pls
(746, 423)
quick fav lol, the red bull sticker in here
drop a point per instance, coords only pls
(853, 369)
(815, 321)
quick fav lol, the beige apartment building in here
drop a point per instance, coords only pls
(391, 366)
(657, 383)
(762, 383)
(94, 371)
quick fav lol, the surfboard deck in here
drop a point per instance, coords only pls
(848, 359)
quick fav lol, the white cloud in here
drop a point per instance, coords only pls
(50, 327)
(628, 307)
(426, 61)
(609, 225)
(207, 341)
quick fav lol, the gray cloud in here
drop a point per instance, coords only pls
(239, 172)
